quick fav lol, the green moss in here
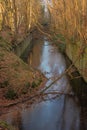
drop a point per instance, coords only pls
(27, 85)
(5, 45)
(6, 126)
(62, 47)
(36, 83)
(39, 81)
(60, 37)
(1, 55)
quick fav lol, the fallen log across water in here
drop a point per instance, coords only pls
(39, 94)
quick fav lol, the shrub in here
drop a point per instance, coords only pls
(25, 89)
(11, 94)
(34, 85)
(27, 85)
(4, 84)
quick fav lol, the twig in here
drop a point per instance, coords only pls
(57, 92)
(66, 71)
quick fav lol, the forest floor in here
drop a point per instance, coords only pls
(17, 80)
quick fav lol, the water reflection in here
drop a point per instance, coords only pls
(63, 113)
(52, 62)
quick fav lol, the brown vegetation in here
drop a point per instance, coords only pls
(17, 19)
(69, 18)
(16, 78)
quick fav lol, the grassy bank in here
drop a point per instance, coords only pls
(16, 78)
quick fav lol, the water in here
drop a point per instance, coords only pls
(61, 113)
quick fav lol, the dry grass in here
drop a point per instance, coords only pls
(16, 76)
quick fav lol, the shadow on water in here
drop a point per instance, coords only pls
(62, 113)
(80, 88)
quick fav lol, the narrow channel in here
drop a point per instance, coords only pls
(53, 113)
